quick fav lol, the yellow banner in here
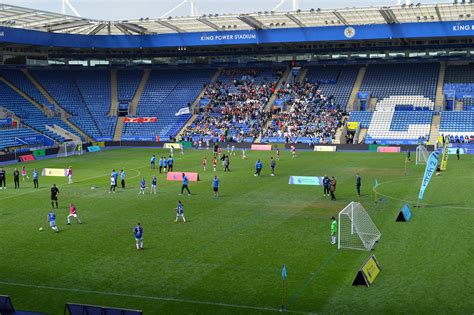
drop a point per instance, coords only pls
(444, 159)
(352, 125)
(54, 172)
(174, 145)
(99, 144)
(371, 270)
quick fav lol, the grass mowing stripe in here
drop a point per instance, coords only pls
(158, 298)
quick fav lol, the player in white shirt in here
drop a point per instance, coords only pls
(179, 212)
(244, 154)
(112, 184)
(171, 151)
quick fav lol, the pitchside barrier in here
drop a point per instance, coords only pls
(84, 309)
(59, 172)
(261, 147)
(27, 158)
(325, 148)
(368, 272)
(174, 145)
(178, 176)
(389, 149)
(94, 148)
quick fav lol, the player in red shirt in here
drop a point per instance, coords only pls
(73, 213)
(293, 151)
(69, 175)
(214, 164)
(278, 154)
(204, 163)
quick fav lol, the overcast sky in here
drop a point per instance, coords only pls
(128, 9)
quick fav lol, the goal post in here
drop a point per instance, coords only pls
(422, 155)
(70, 148)
(356, 230)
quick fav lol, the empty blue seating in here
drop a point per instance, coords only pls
(457, 123)
(363, 118)
(127, 84)
(8, 137)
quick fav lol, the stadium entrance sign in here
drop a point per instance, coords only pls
(306, 180)
(368, 272)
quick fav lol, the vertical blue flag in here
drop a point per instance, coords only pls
(431, 166)
(376, 184)
(283, 272)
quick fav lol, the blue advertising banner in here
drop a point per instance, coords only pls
(268, 36)
(37, 140)
(429, 171)
(94, 148)
(405, 214)
(306, 180)
(6, 121)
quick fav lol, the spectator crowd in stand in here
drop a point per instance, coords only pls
(236, 110)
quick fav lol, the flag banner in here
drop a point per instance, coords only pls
(283, 272)
(444, 159)
(140, 119)
(429, 171)
(376, 184)
(54, 172)
(306, 180)
(183, 111)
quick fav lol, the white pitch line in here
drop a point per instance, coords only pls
(156, 298)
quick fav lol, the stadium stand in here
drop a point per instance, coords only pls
(30, 114)
(127, 84)
(460, 80)
(363, 118)
(458, 125)
(165, 93)
(9, 137)
(233, 107)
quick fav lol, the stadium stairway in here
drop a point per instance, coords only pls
(362, 134)
(372, 104)
(439, 104)
(113, 94)
(302, 75)
(340, 136)
(459, 105)
(195, 105)
(64, 113)
(63, 133)
(355, 89)
(283, 78)
(138, 94)
(188, 123)
(434, 130)
(118, 129)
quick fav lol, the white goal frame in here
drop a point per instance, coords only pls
(70, 148)
(422, 155)
(356, 230)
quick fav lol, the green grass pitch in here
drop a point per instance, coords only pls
(227, 259)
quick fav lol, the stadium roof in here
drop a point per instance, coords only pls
(19, 17)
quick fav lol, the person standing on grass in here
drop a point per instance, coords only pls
(408, 155)
(185, 185)
(326, 185)
(332, 187)
(112, 184)
(258, 167)
(142, 186)
(170, 163)
(160, 164)
(358, 184)
(69, 175)
(54, 196)
(214, 164)
(138, 233)
(153, 185)
(165, 164)
(272, 165)
(215, 186)
(16, 178)
(73, 214)
(115, 175)
(333, 230)
(122, 177)
(226, 163)
(457, 153)
(51, 219)
(152, 161)
(3, 178)
(278, 154)
(35, 178)
(179, 212)
(204, 164)
(24, 173)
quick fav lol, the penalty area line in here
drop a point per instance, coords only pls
(145, 297)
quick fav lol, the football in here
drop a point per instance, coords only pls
(40, 229)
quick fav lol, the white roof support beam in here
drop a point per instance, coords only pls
(340, 17)
(97, 29)
(170, 26)
(122, 29)
(64, 26)
(46, 22)
(134, 28)
(295, 19)
(252, 22)
(18, 16)
(438, 13)
(208, 23)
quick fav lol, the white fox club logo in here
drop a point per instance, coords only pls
(349, 32)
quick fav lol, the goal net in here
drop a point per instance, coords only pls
(70, 148)
(356, 230)
(422, 155)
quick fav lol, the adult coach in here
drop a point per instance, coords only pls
(185, 182)
(54, 196)
(35, 178)
(358, 184)
(326, 185)
(3, 179)
(16, 178)
(332, 187)
(272, 165)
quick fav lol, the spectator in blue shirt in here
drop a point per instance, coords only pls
(258, 168)
(152, 161)
(160, 164)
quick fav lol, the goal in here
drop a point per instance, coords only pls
(356, 230)
(422, 155)
(70, 148)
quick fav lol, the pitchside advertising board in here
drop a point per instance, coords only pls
(368, 272)
(60, 172)
(306, 180)
(245, 37)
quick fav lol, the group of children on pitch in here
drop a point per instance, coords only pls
(51, 217)
(164, 164)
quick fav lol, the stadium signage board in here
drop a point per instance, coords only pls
(243, 37)
(325, 148)
(60, 172)
(178, 176)
(261, 147)
(368, 272)
(306, 180)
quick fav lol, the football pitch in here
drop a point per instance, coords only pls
(228, 257)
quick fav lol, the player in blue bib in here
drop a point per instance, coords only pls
(215, 186)
(179, 212)
(52, 221)
(138, 232)
(170, 164)
(185, 185)
(152, 161)
(142, 186)
(153, 185)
